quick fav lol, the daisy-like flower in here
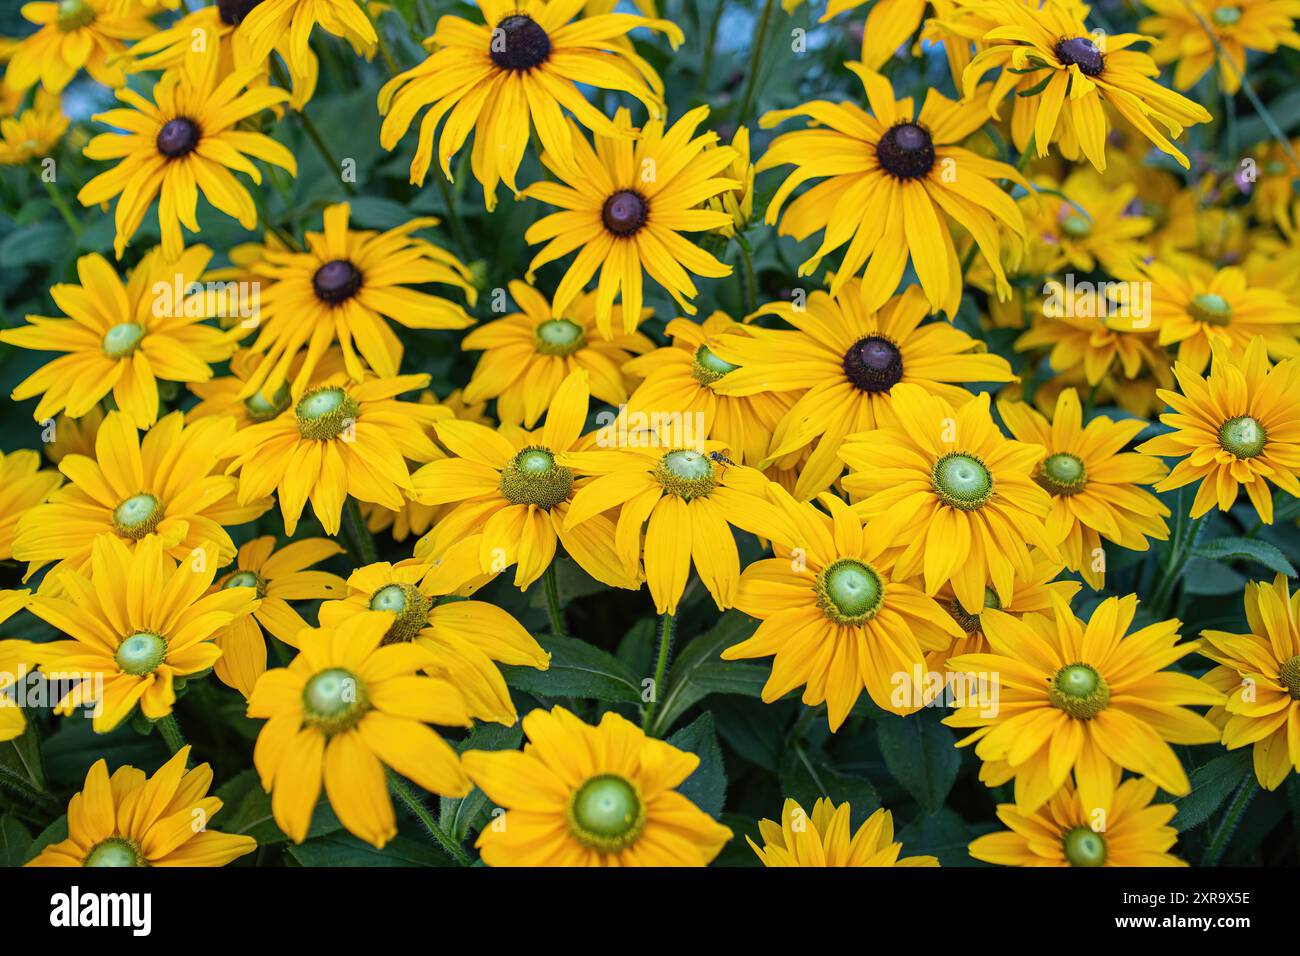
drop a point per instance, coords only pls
(516, 71)
(73, 436)
(24, 484)
(285, 26)
(183, 143)
(464, 641)
(1093, 483)
(224, 396)
(1088, 698)
(1096, 229)
(514, 498)
(1260, 674)
(342, 289)
(141, 621)
(827, 839)
(1067, 832)
(122, 337)
(527, 354)
(16, 660)
(1096, 348)
(341, 438)
(837, 619)
(165, 487)
(345, 709)
(131, 819)
(738, 203)
(847, 360)
(624, 206)
(1198, 36)
(904, 168)
(579, 795)
(965, 495)
(32, 134)
(1075, 72)
(278, 575)
(75, 35)
(1238, 428)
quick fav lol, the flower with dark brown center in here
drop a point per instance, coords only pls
(1083, 53)
(336, 281)
(232, 12)
(519, 43)
(178, 137)
(874, 364)
(906, 151)
(624, 212)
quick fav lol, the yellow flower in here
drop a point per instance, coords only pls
(527, 354)
(1094, 487)
(31, 135)
(837, 617)
(341, 290)
(463, 642)
(1095, 347)
(1089, 698)
(130, 819)
(16, 660)
(828, 839)
(1066, 832)
(279, 576)
(1238, 428)
(73, 436)
(182, 144)
(286, 26)
(591, 796)
(224, 396)
(738, 203)
(1260, 673)
(165, 487)
(962, 495)
(24, 484)
(904, 168)
(517, 71)
(74, 35)
(1199, 35)
(624, 206)
(342, 711)
(121, 338)
(847, 361)
(140, 621)
(1096, 229)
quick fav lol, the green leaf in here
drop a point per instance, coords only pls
(707, 786)
(14, 841)
(942, 833)
(457, 815)
(1205, 577)
(1212, 784)
(1249, 549)
(577, 670)
(921, 754)
(56, 832)
(699, 671)
(39, 242)
(343, 849)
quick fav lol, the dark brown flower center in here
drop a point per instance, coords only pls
(519, 43)
(233, 11)
(624, 212)
(336, 281)
(178, 137)
(1083, 53)
(874, 364)
(906, 151)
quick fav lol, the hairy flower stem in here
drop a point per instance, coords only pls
(750, 286)
(313, 134)
(359, 533)
(553, 600)
(661, 669)
(751, 81)
(1180, 545)
(61, 204)
(171, 732)
(18, 785)
(1228, 825)
(408, 798)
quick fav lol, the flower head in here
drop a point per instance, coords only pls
(74, 35)
(827, 839)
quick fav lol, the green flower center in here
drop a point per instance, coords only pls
(1076, 226)
(1210, 308)
(246, 579)
(1062, 474)
(970, 623)
(962, 481)
(411, 606)
(262, 409)
(1225, 16)
(1084, 847)
(605, 814)
(1243, 436)
(1289, 675)
(708, 368)
(1080, 691)
(849, 592)
(73, 15)
(141, 653)
(122, 339)
(115, 851)
(137, 516)
(560, 337)
(534, 478)
(685, 473)
(334, 700)
(324, 413)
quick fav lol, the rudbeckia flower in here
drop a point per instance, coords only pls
(16, 660)
(75, 35)
(964, 494)
(527, 354)
(847, 360)
(1066, 831)
(1089, 698)
(131, 819)
(591, 796)
(516, 71)
(278, 576)
(345, 709)
(738, 203)
(836, 617)
(1260, 673)
(513, 497)
(73, 436)
(1096, 348)
(165, 487)
(139, 619)
(1093, 484)
(224, 396)
(122, 337)
(341, 438)
(183, 143)
(463, 641)
(1238, 428)
(286, 26)
(828, 839)
(32, 134)
(624, 206)
(909, 171)
(1099, 228)
(1198, 36)
(24, 484)
(342, 289)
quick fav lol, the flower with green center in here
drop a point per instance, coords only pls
(1080, 691)
(334, 700)
(560, 337)
(114, 851)
(1076, 226)
(261, 409)
(1289, 675)
(123, 339)
(326, 412)
(137, 516)
(1084, 847)
(534, 478)
(962, 481)
(141, 653)
(850, 592)
(1225, 16)
(605, 814)
(74, 14)
(686, 473)
(1211, 308)
(1062, 474)
(411, 607)
(708, 368)
(1243, 437)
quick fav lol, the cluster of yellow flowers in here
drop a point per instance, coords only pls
(914, 441)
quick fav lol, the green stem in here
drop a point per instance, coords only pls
(661, 669)
(805, 721)
(413, 803)
(1180, 544)
(61, 204)
(453, 215)
(384, 51)
(171, 732)
(750, 287)
(1228, 825)
(710, 41)
(751, 81)
(553, 600)
(19, 785)
(313, 134)
(360, 534)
